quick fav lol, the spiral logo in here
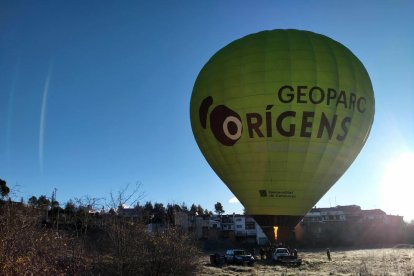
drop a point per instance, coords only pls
(225, 124)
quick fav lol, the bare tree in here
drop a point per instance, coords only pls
(129, 195)
(86, 206)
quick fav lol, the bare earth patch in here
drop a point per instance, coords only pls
(350, 262)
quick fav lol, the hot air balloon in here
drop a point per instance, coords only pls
(280, 115)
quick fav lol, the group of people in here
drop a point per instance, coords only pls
(267, 252)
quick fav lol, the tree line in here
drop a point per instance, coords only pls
(127, 198)
(149, 212)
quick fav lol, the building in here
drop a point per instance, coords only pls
(244, 226)
(324, 215)
(337, 226)
(350, 226)
(233, 227)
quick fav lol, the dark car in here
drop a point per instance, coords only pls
(238, 256)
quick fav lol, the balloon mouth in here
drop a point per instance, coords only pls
(278, 228)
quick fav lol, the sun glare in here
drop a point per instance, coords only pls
(397, 186)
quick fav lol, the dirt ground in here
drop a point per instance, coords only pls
(349, 262)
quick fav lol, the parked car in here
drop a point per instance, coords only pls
(238, 256)
(217, 260)
(284, 257)
(279, 254)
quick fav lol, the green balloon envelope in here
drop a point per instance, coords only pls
(280, 115)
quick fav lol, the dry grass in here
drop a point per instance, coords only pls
(350, 262)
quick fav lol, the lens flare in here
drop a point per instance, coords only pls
(397, 186)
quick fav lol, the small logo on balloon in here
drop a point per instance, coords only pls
(225, 124)
(263, 193)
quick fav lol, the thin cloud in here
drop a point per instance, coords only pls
(234, 200)
(42, 123)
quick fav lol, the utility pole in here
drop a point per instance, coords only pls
(54, 195)
(53, 205)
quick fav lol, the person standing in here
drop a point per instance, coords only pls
(262, 253)
(328, 253)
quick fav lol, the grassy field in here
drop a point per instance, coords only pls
(350, 262)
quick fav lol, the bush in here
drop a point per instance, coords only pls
(28, 249)
(171, 253)
(134, 251)
(111, 246)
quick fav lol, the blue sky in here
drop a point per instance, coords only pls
(95, 94)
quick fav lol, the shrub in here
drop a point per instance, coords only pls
(28, 249)
(134, 251)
